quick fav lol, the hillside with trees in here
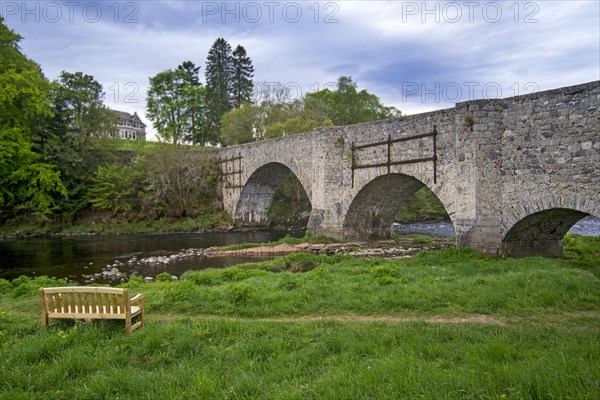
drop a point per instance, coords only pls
(58, 168)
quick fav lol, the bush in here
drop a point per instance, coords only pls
(5, 286)
(134, 282)
(207, 277)
(163, 277)
(25, 285)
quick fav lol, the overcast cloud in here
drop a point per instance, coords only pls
(417, 56)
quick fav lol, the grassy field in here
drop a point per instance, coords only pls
(449, 324)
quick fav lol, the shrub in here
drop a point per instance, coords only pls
(207, 277)
(24, 285)
(4, 285)
(163, 277)
(135, 281)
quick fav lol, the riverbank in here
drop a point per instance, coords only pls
(217, 222)
(444, 324)
(121, 269)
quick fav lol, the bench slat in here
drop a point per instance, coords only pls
(113, 304)
(86, 304)
(93, 301)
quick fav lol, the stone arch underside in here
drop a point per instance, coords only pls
(372, 211)
(257, 194)
(541, 233)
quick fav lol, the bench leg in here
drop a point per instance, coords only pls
(142, 313)
(44, 312)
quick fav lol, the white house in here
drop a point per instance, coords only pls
(129, 126)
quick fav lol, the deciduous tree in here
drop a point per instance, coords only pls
(26, 182)
(240, 125)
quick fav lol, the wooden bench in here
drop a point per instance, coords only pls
(82, 302)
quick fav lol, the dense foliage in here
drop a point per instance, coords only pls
(57, 161)
(423, 205)
(278, 117)
(162, 181)
(27, 182)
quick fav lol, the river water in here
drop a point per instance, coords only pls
(588, 226)
(72, 257)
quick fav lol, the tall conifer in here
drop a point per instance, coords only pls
(219, 78)
(243, 71)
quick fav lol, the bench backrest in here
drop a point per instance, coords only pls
(86, 300)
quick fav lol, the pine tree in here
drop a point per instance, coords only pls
(192, 71)
(219, 79)
(243, 71)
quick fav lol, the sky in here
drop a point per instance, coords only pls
(417, 56)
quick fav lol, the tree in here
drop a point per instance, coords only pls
(349, 106)
(238, 126)
(219, 77)
(243, 71)
(167, 104)
(191, 71)
(195, 95)
(78, 101)
(114, 188)
(26, 182)
(75, 138)
(176, 105)
(342, 106)
(179, 181)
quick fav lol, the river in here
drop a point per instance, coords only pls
(588, 226)
(72, 257)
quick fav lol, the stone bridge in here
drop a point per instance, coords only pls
(514, 174)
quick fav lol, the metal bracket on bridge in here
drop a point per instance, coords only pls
(389, 161)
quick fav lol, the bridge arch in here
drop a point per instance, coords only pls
(258, 191)
(539, 226)
(373, 209)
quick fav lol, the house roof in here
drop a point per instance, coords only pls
(126, 115)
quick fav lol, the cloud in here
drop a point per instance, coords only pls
(386, 46)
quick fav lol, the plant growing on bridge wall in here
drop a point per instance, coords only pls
(469, 122)
(350, 156)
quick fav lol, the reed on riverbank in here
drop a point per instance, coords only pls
(449, 324)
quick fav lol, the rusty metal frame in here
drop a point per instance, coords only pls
(389, 161)
(224, 173)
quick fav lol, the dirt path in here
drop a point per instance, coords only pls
(392, 319)
(570, 320)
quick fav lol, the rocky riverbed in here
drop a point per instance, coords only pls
(115, 272)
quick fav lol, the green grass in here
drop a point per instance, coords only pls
(584, 251)
(337, 328)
